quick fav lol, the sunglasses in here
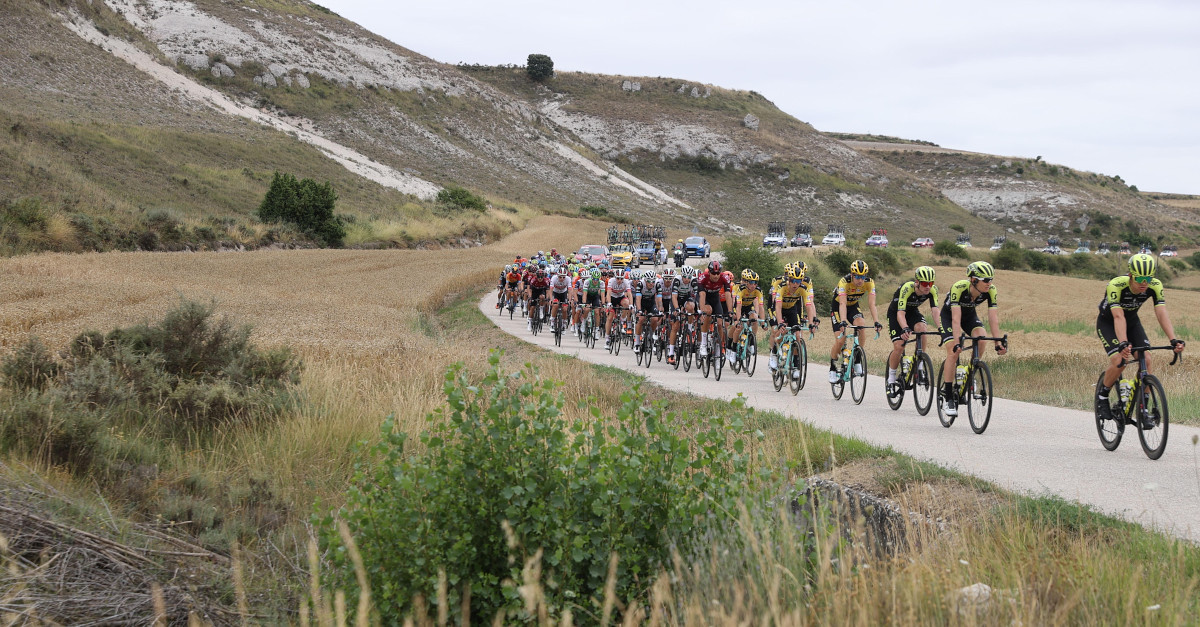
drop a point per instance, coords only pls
(860, 277)
(1142, 279)
(924, 283)
(795, 280)
(987, 280)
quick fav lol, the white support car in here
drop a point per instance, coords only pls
(834, 239)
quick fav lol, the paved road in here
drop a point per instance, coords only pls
(1027, 448)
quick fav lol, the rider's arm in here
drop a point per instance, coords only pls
(902, 318)
(1164, 321)
(956, 323)
(994, 323)
(841, 299)
(871, 303)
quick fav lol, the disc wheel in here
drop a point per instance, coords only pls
(1110, 425)
(1152, 417)
(979, 398)
(946, 420)
(858, 375)
(922, 384)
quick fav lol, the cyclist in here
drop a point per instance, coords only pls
(904, 316)
(657, 249)
(1118, 325)
(775, 284)
(512, 281)
(670, 287)
(647, 303)
(850, 289)
(683, 300)
(958, 315)
(560, 292)
(619, 291)
(788, 297)
(537, 296)
(748, 303)
(715, 300)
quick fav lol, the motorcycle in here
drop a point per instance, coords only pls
(679, 257)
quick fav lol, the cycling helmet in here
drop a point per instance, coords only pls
(787, 267)
(859, 267)
(800, 268)
(1142, 264)
(688, 273)
(541, 253)
(553, 251)
(925, 274)
(669, 273)
(794, 273)
(595, 273)
(749, 275)
(619, 273)
(727, 275)
(562, 271)
(542, 263)
(508, 268)
(679, 242)
(982, 270)
(714, 266)
(541, 272)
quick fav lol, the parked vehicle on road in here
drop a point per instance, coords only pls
(834, 239)
(802, 239)
(697, 246)
(923, 242)
(594, 253)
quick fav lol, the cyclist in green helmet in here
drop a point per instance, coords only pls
(959, 315)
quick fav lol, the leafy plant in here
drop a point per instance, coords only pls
(949, 249)
(636, 484)
(539, 67)
(461, 198)
(743, 253)
(305, 203)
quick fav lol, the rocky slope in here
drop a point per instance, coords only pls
(287, 85)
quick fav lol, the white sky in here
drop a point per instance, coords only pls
(1104, 86)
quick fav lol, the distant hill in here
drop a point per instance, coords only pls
(159, 124)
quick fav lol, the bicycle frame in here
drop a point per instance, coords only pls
(847, 352)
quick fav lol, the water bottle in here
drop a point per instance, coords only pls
(845, 354)
(906, 365)
(960, 374)
(1123, 388)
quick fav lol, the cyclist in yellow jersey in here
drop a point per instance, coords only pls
(849, 291)
(904, 316)
(748, 303)
(788, 299)
(1118, 325)
(959, 317)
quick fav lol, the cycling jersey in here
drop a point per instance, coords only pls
(906, 298)
(713, 283)
(592, 286)
(619, 287)
(746, 296)
(560, 283)
(960, 296)
(685, 289)
(1120, 295)
(790, 294)
(539, 283)
(654, 288)
(853, 294)
(513, 277)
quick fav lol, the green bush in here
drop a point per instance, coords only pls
(306, 204)
(1194, 259)
(1009, 257)
(1035, 259)
(599, 212)
(949, 249)
(453, 196)
(539, 67)
(838, 260)
(743, 253)
(501, 453)
(882, 261)
(957, 227)
(30, 367)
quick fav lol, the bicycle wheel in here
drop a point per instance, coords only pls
(781, 373)
(739, 348)
(705, 361)
(751, 355)
(979, 398)
(894, 401)
(1153, 417)
(922, 384)
(686, 349)
(718, 359)
(946, 420)
(617, 339)
(558, 332)
(799, 368)
(647, 349)
(1110, 425)
(858, 375)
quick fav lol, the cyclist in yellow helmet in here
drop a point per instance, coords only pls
(748, 299)
(1118, 325)
(850, 289)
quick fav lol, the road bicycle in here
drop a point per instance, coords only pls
(587, 326)
(1141, 402)
(689, 340)
(745, 348)
(972, 385)
(916, 374)
(619, 329)
(714, 361)
(645, 344)
(792, 354)
(853, 368)
(559, 321)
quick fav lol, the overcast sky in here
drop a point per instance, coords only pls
(1110, 87)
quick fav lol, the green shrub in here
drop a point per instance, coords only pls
(599, 212)
(1194, 259)
(1008, 258)
(949, 249)
(501, 453)
(1035, 259)
(307, 204)
(743, 253)
(957, 227)
(45, 427)
(539, 67)
(453, 196)
(26, 213)
(838, 260)
(882, 261)
(30, 367)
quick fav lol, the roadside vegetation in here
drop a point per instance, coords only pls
(381, 356)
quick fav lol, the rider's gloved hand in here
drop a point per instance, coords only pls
(878, 326)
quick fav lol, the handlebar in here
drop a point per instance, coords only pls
(858, 327)
(1142, 349)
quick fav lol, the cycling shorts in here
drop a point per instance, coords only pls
(852, 313)
(969, 322)
(559, 297)
(1107, 332)
(912, 317)
(716, 302)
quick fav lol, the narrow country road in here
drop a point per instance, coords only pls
(1027, 448)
